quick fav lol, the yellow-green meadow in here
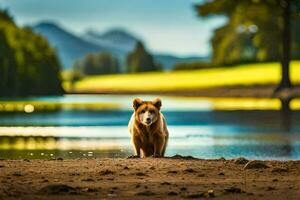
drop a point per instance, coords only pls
(245, 75)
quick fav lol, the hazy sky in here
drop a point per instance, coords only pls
(167, 26)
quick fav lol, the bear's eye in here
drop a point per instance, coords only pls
(143, 111)
(151, 111)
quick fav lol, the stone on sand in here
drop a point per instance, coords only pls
(241, 161)
(57, 189)
(255, 164)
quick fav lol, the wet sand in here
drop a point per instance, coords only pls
(152, 178)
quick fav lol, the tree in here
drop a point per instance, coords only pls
(248, 34)
(7, 67)
(97, 63)
(28, 65)
(265, 22)
(5, 16)
(286, 45)
(139, 60)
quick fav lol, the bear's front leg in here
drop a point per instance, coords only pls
(158, 146)
(137, 147)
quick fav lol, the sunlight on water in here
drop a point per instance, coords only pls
(200, 141)
(28, 108)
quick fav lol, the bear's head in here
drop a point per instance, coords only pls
(147, 112)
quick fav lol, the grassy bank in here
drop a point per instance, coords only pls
(243, 75)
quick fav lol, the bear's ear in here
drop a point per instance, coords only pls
(157, 103)
(137, 103)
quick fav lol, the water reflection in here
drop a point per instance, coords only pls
(200, 141)
(55, 154)
(53, 147)
(123, 102)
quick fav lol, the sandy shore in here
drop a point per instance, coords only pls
(157, 178)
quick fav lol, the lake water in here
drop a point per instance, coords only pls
(197, 127)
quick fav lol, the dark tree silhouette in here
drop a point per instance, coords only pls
(140, 60)
(286, 46)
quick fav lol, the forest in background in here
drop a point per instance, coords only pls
(28, 65)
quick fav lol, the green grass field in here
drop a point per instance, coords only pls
(251, 74)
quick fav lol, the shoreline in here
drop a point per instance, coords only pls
(256, 91)
(176, 177)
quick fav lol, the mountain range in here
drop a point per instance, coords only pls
(118, 42)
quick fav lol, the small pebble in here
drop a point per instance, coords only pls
(211, 193)
(221, 174)
(172, 193)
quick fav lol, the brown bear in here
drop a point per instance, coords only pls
(148, 129)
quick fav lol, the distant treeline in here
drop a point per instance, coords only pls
(139, 60)
(97, 63)
(192, 65)
(28, 65)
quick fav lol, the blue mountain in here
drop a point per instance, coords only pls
(116, 38)
(118, 42)
(69, 46)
